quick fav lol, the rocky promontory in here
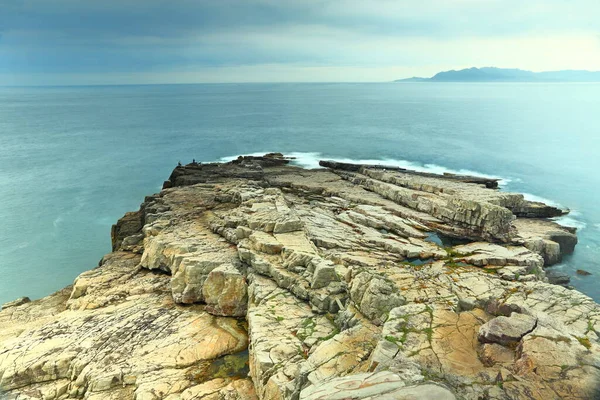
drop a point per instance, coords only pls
(256, 279)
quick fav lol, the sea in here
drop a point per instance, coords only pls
(74, 159)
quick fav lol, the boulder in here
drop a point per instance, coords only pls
(323, 275)
(225, 292)
(506, 330)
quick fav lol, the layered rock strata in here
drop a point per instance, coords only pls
(259, 280)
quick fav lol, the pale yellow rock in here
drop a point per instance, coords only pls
(493, 353)
(103, 350)
(339, 280)
(225, 292)
(265, 243)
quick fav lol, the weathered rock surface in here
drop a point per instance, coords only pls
(126, 229)
(374, 386)
(117, 335)
(256, 279)
(490, 183)
(546, 238)
(506, 330)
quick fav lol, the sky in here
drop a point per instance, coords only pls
(73, 42)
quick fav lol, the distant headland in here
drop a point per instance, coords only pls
(493, 74)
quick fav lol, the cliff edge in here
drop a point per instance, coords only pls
(255, 279)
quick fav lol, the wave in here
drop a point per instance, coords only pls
(570, 221)
(533, 197)
(310, 160)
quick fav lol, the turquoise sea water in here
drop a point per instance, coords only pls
(74, 159)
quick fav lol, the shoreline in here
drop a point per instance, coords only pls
(314, 261)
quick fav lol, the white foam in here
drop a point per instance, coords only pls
(597, 226)
(310, 160)
(533, 197)
(306, 160)
(571, 221)
(57, 221)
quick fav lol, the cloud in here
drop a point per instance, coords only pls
(157, 37)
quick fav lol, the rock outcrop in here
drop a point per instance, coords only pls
(259, 280)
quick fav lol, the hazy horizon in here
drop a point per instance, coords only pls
(71, 42)
(306, 82)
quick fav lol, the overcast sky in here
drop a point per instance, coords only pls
(177, 41)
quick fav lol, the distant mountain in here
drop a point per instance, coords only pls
(492, 74)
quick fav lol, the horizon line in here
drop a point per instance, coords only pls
(401, 81)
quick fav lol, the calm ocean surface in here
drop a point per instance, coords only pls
(74, 159)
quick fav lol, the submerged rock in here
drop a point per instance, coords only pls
(256, 279)
(557, 277)
(583, 272)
